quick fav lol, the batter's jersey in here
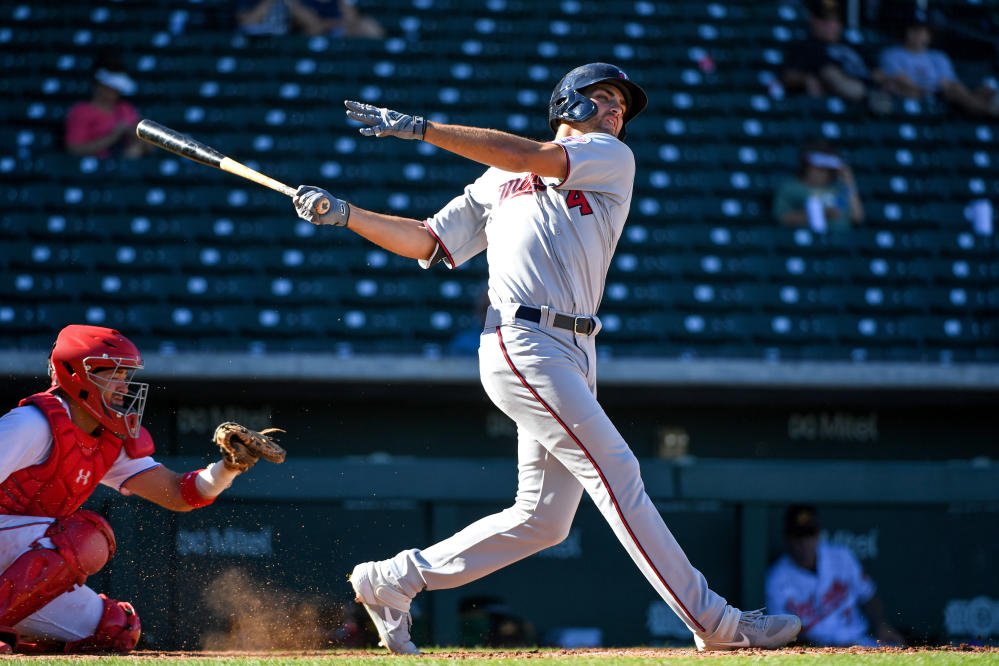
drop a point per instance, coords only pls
(827, 600)
(547, 242)
(26, 440)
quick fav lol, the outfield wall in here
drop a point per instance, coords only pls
(925, 531)
(904, 476)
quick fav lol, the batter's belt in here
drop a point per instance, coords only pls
(543, 316)
(578, 324)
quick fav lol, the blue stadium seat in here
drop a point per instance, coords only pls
(702, 268)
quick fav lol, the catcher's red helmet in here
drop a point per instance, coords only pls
(79, 353)
(569, 104)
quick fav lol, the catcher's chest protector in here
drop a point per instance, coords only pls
(58, 486)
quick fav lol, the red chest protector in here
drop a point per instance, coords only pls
(58, 486)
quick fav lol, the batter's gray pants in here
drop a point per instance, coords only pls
(545, 380)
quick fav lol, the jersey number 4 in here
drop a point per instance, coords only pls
(575, 198)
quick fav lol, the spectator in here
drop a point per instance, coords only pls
(337, 18)
(823, 194)
(915, 71)
(826, 587)
(263, 17)
(105, 124)
(334, 18)
(823, 65)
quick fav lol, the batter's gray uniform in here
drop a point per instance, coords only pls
(549, 245)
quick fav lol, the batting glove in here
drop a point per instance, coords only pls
(306, 201)
(385, 122)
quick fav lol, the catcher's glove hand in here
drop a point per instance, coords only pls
(242, 447)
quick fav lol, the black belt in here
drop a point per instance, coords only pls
(581, 324)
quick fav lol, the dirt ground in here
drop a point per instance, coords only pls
(458, 655)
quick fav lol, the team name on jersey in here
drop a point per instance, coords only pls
(813, 610)
(531, 183)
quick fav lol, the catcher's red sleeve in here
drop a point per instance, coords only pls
(189, 491)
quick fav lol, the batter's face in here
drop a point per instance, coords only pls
(611, 106)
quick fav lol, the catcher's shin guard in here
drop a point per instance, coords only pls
(118, 630)
(83, 544)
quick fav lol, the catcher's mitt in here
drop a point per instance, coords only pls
(241, 447)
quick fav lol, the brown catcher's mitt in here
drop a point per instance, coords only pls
(241, 447)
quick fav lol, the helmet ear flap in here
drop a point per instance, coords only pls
(573, 107)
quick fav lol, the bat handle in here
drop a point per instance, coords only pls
(322, 206)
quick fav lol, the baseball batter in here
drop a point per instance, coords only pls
(548, 215)
(55, 448)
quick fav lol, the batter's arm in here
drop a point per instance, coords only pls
(502, 150)
(486, 146)
(402, 235)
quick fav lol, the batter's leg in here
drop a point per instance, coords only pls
(541, 383)
(547, 499)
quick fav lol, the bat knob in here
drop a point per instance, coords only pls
(323, 206)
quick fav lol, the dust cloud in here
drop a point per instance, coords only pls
(262, 616)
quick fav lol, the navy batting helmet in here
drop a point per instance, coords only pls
(569, 104)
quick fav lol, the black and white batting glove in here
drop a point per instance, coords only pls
(385, 122)
(307, 199)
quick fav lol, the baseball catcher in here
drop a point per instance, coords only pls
(55, 447)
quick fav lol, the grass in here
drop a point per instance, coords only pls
(544, 657)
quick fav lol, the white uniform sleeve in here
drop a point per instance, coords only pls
(862, 583)
(460, 227)
(25, 439)
(125, 468)
(598, 163)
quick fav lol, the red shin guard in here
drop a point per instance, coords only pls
(118, 630)
(83, 544)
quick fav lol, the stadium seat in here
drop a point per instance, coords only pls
(701, 269)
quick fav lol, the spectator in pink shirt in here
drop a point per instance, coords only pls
(105, 124)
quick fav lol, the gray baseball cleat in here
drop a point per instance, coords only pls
(392, 624)
(756, 630)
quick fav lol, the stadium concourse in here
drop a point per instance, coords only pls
(725, 335)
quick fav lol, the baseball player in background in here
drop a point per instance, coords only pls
(55, 447)
(548, 215)
(825, 585)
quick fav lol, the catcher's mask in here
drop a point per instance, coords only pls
(569, 104)
(95, 366)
